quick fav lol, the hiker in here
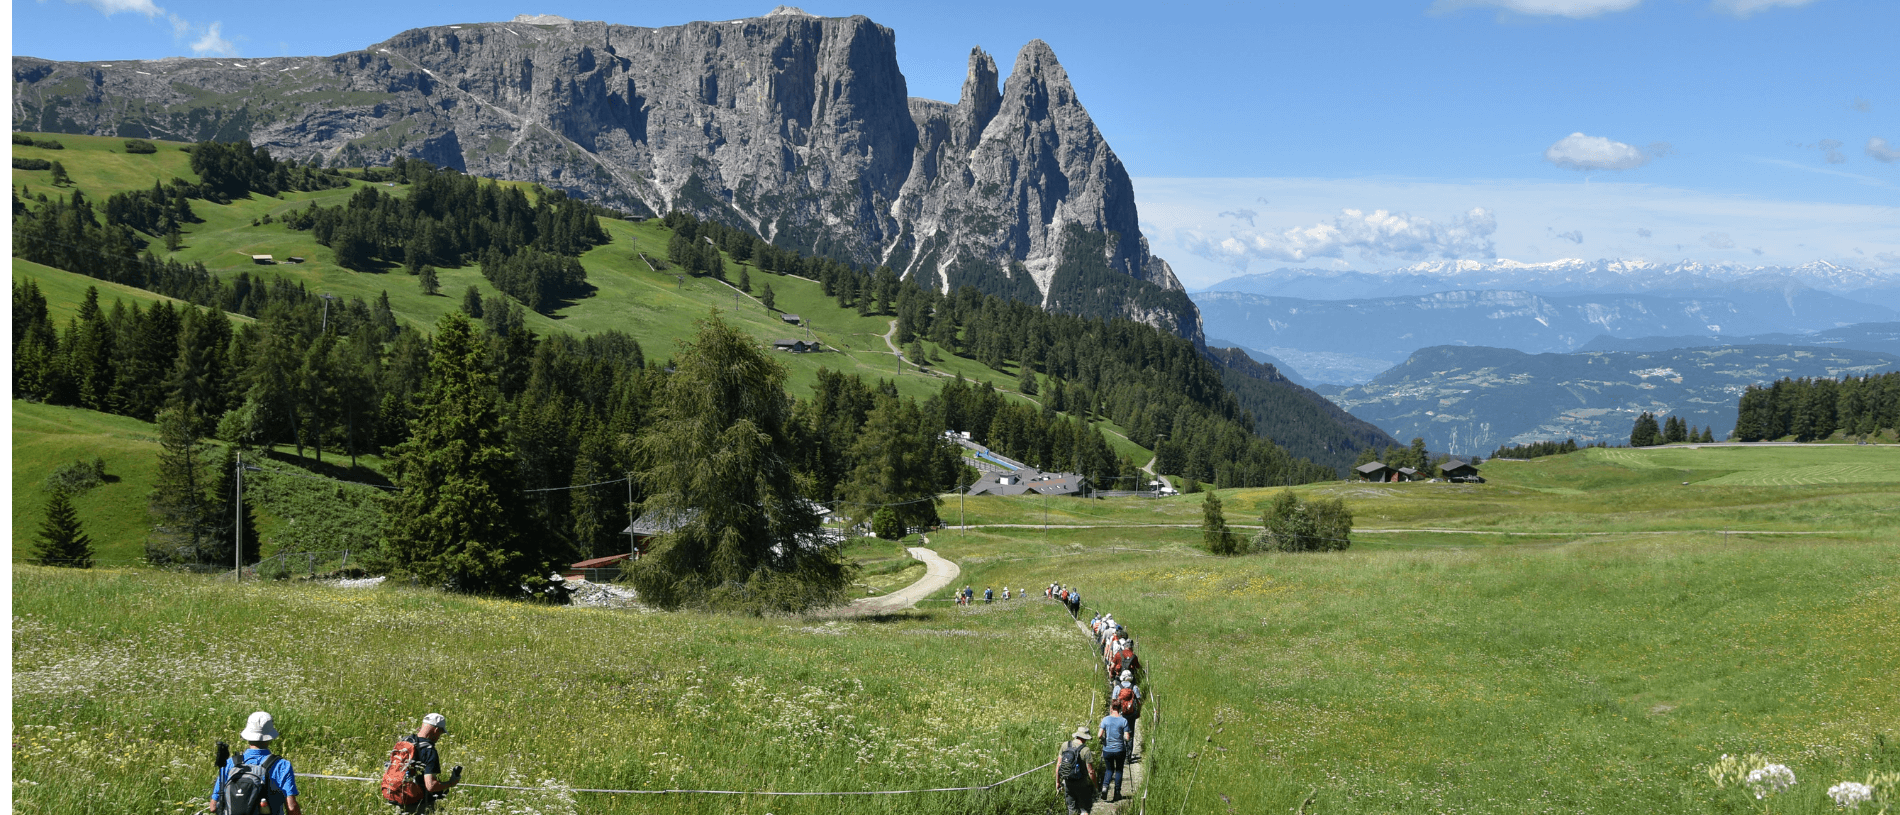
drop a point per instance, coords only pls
(1005, 594)
(412, 779)
(1075, 773)
(1127, 697)
(1114, 733)
(257, 776)
(989, 595)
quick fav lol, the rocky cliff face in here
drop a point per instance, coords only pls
(798, 127)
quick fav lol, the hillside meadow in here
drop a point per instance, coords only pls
(1426, 671)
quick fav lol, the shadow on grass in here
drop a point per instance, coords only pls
(340, 471)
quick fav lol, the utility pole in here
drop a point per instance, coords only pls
(326, 310)
(633, 548)
(237, 523)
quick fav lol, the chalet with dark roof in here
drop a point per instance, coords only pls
(1458, 468)
(1375, 471)
(1031, 481)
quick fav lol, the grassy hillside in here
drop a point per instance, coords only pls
(655, 307)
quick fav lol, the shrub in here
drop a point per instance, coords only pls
(886, 524)
(1293, 525)
(77, 477)
(48, 144)
(140, 146)
(31, 164)
(22, 138)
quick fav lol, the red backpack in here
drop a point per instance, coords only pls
(400, 786)
(1126, 697)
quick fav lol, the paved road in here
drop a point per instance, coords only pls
(938, 573)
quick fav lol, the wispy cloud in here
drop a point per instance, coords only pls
(213, 43)
(1240, 215)
(1862, 105)
(1718, 240)
(1374, 234)
(1579, 152)
(111, 7)
(1750, 8)
(1643, 233)
(1574, 235)
(1864, 179)
(1878, 150)
(1542, 8)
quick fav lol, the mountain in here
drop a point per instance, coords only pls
(796, 127)
(1393, 327)
(1879, 337)
(1469, 400)
(1215, 344)
(1293, 416)
(1573, 276)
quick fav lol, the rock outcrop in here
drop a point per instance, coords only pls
(795, 126)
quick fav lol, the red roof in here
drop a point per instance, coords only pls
(600, 562)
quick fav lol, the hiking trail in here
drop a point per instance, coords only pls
(1135, 771)
(938, 573)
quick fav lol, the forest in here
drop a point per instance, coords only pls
(1809, 409)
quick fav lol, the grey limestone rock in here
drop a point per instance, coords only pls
(795, 126)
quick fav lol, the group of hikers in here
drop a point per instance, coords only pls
(1069, 597)
(966, 596)
(1076, 777)
(258, 781)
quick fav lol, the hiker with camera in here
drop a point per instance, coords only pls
(255, 782)
(1075, 773)
(411, 779)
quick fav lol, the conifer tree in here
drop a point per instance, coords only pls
(767, 298)
(1214, 533)
(716, 459)
(431, 285)
(60, 178)
(62, 542)
(178, 500)
(1645, 433)
(472, 302)
(897, 462)
(745, 279)
(460, 519)
(225, 514)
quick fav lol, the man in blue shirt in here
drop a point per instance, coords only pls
(1114, 733)
(280, 789)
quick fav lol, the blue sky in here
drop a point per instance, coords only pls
(1755, 131)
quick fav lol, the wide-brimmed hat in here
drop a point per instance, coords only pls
(1082, 733)
(1127, 675)
(260, 727)
(436, 721)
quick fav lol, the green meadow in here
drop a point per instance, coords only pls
(1594, 663)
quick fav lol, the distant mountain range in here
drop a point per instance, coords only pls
(1573, 276)
(1470, 400)
(1880, 337)
(1391, 328)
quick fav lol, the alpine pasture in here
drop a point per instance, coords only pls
(1577, 635)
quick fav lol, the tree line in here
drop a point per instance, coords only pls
(1808, 409)
(1539, 449)
(1673, 430)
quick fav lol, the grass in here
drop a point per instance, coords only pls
(124, 679)
(1417, 672)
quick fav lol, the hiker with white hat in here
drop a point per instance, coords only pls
(1075, 773)
(257, 777)
(411, 776)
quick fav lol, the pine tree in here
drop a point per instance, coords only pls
(431, 285)
(1027, 383)
(460, 520)
(60, 178)
(472, 302)
(62, 541)
(1645, 433)
(894, 462)
(745, 279)
(717, 457)
(1214, 533)
(768, 298)
(178, 499)
(225, 515)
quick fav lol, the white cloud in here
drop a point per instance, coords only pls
(1878, 150)
(1749, 8)
(213, 43)
(1579, 152)
(1718, 240)
(1547, 8)
(1832, 149)
(111, 7)
(1375, 234)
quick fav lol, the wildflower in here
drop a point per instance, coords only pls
(1850, 794)
(1770, 780)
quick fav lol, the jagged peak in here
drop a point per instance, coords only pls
(981, 97)
(789, 11)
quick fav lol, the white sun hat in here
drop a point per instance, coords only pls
(260, 727)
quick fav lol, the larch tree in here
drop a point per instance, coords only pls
(717, 461)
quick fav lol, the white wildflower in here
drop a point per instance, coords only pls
(1770, 780)
(1850, 794)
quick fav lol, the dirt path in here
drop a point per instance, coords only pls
(938, 573)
